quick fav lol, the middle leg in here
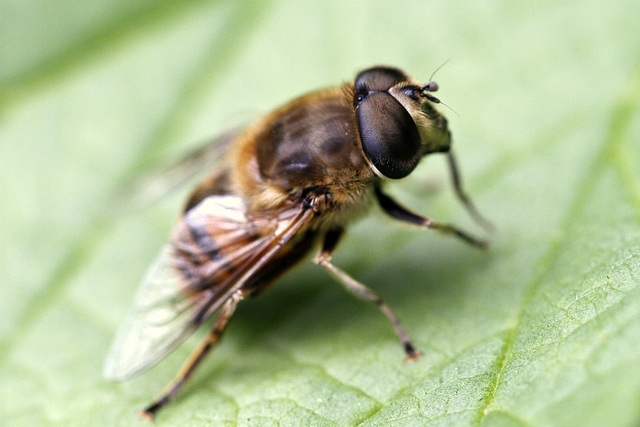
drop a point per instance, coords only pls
(363, 292)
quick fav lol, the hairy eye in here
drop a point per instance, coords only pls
(379, 78)
(390, 137)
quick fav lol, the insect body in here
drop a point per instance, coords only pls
(291, 181)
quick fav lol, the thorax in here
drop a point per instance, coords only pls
(311, 142)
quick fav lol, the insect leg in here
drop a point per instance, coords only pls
(401, 213)
(466, 201)
(363, 292)
(196, 357)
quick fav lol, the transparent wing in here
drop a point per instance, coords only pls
(215, 249)
(161, 180)
(157, 322)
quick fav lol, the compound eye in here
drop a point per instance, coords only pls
(390, 137)
(379, 78)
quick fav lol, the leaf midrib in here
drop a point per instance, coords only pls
(612, 154)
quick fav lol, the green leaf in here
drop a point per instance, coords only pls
(543, 329)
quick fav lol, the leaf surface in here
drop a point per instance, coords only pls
(543, 329)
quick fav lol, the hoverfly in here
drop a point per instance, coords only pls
(291, 181)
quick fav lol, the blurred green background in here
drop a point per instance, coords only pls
(544, 329)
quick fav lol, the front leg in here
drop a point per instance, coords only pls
(401, 213)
